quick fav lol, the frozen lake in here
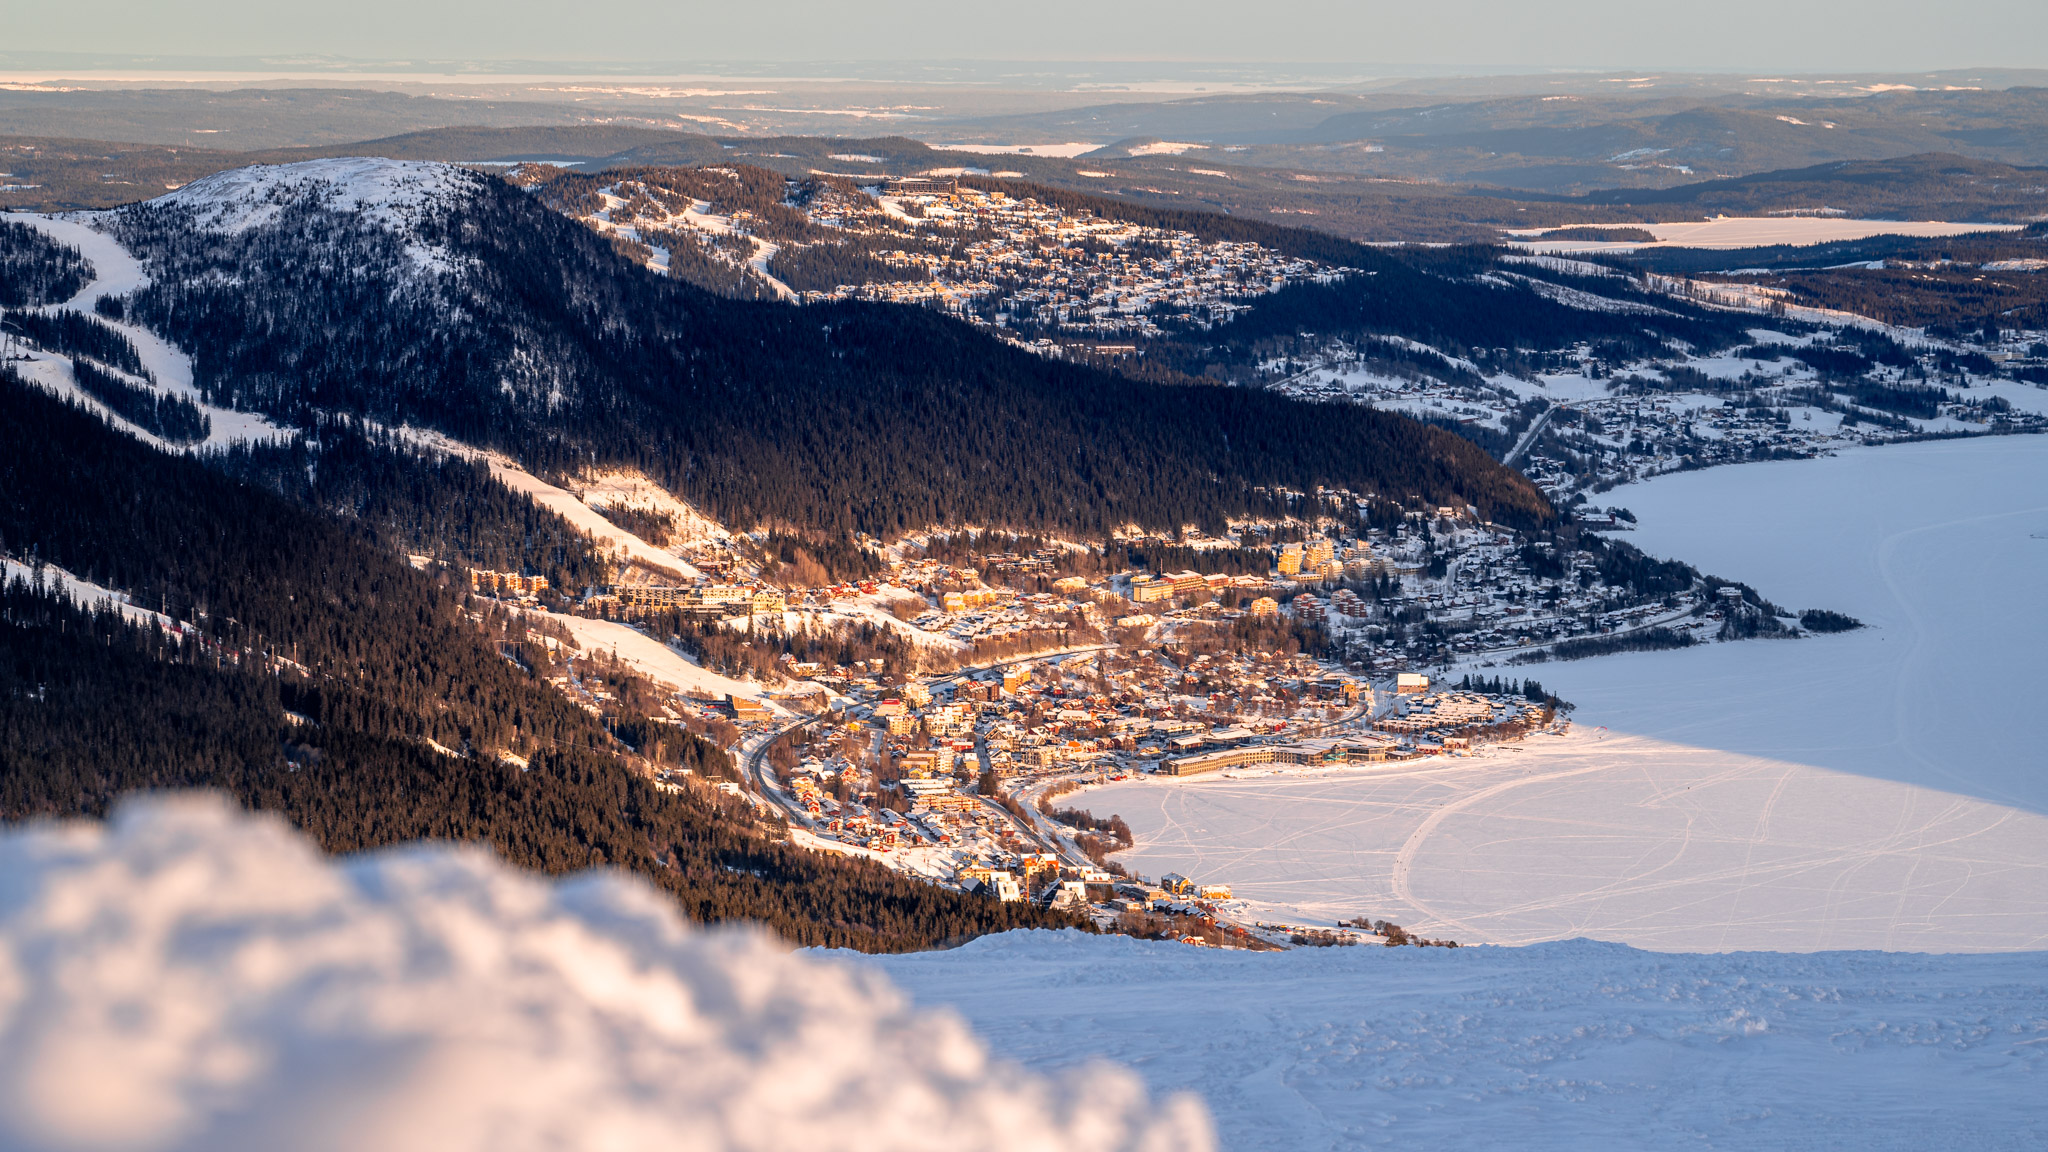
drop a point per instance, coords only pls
(1881, 789)
(1756, 232)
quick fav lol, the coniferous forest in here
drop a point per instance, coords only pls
(327, 681)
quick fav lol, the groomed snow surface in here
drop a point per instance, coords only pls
(1574, 1045)
(188, 977)
(1885, 788)
(116, 272)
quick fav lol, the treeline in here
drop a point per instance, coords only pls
(654, 527)
(821, 267)
(1951, 300)
(36, 270)
(1161, 558)
(1584, 647)
(320, 671)
(760, 652)
(417, 501)
(1823, 620)
(1433, 296)
(692, 261)
(810, 561)
(1927, 186)
(76, 334)
(1531, 690)
(173, 419)
(830, 419)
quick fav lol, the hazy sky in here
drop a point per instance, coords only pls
(1419, 35)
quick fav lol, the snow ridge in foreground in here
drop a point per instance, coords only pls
(188, 976)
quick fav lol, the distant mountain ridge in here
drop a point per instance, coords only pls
(427, 295)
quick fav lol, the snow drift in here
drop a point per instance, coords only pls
(187, 976)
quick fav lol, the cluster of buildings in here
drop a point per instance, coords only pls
(1037, 269)
(485, 582)
(705, 599)
(1599, 424)
(1008, 261)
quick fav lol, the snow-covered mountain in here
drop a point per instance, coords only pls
(398, 196)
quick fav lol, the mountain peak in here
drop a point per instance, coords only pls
(391, 192)
(396, 195)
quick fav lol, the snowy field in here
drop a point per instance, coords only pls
(1879, 789)
(1574, 1045)
(1066, 151)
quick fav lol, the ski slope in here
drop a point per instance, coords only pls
(1575, 1045)
(652, 658)
(116, 272)
(1884, 788)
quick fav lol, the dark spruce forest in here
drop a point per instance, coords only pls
(326, 680)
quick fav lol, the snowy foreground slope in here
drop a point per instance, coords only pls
(190, 978)
(1570, 1045)
(186, 977)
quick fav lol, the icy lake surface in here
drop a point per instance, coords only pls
(1885, 788)
(1756, 231)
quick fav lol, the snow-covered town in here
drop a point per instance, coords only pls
(1048, 275)
(1582, 422)
(996, 677)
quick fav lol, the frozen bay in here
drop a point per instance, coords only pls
(1883, 788)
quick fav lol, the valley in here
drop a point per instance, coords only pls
(883, 589)
(920, 697)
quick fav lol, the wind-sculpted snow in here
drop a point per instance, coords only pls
(396, 195)
(187, 977)
(1571, 1045)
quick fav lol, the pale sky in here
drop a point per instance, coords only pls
(1416, 36)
